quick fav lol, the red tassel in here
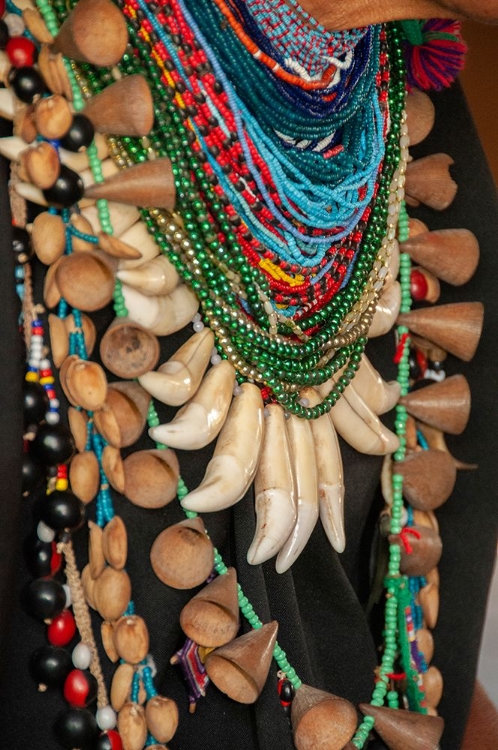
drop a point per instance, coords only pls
(434, 51)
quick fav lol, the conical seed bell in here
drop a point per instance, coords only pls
(240, 668)
(146, 184)
(451, 254)
(405, 730)
(455, 327)
(211, 618)
(320, 720)
(428, 478)
(94, 32)
(428, 181)
(108, 115)
(444, 405)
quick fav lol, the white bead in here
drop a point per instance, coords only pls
(196, 318)
(15, 24)
(52, 417)
(36, 337)
(44, 532)
(105, 718)
(69, 598)
(404, 517)
(54, 403)
(198, 326)
(45, 364)
(237, 390)
(215, 359)
(82, 657)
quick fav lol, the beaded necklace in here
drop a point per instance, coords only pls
(242, 284)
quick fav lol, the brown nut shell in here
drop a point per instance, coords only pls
(88, 585)
(84, 476)
(51, 66)
(182, 555)
(53, 116)
(78, 426)
(41, 164)
(85, 281)
(96, 559)
(121, 685)
(115, 543)
(132, 726)
(87, 383)
(151, 477)
(131, 639)
(161, 715)
(48, 235)
(112, 593)
(107, 636)
(112, 463)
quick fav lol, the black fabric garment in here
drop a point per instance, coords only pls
(319, 603)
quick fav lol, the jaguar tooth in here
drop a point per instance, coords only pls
(178, 379)
(330, 474)
(273, 490)
(155, 277)
(122, 217)
(360, 427)
(198, 422)
(235, 460)
(387, 311)
(163, 314)
(379, 395)
(138, 237)
(7, 104)
(306, 491)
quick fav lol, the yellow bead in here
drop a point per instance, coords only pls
(61, 484)
(31, 377)
(48, 380)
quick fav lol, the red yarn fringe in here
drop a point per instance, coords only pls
(435, 61)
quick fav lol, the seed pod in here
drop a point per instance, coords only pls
(182, 555)
(77, 424)
(107, 635)
(161, 715)
(88, 585)
(52, 117)
(132, 726)
(115, 543)
(96, 559)
(121, 685)
(84, 476)
(41, 164)
(112, 463)
(112, 593)
(86, 383)
(48, 236)
(131, 639)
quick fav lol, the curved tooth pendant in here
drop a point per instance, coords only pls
(236, 456)
(360, 427)
(122, 217)
(306, 490)
(179, 378)
(329, 473)
(156, 276)
(379, 395)
(138, 237)
(161, 314)
(386, 311)
(273, 490)
(198, 422)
